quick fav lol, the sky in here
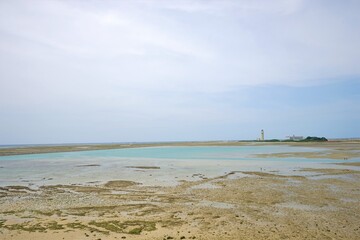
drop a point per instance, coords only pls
(178, 70)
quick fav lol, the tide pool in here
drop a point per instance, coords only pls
(213, 153)
(172, 164)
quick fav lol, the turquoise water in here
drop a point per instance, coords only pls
(174, 164)
(213, 153)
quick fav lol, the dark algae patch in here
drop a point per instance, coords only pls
(77, 225)
(130, 227)
(37, 227)
(88, 165)
(44, 227)
(144, 167)
(54, 226)
(120, 184)
(48, 213)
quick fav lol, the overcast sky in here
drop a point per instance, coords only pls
(174, 70)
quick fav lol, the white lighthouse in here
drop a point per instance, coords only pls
(262, 138)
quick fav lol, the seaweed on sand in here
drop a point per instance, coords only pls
(130, 227)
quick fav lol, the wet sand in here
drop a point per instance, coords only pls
(238, 205)
(312, 203)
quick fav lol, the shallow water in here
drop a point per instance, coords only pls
(176, 163)
(213, 152)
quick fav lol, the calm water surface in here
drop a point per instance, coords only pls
(218, 153)
(175, 163)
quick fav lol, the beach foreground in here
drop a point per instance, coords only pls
(311, 203)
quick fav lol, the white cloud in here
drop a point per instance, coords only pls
(252, 42)
(146, 60)
(221, 8)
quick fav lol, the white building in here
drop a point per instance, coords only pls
(295, 138)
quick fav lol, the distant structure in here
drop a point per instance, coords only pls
(295, 138)
(262, 138)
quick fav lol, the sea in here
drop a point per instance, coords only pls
(152, 166)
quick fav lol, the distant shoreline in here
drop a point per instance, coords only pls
(38, 149)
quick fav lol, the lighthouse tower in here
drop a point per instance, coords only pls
(262, 135)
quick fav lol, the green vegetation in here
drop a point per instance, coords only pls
(308, 139)
(54, 226)
(9, 212)
(27, 227)
(314, 139)
(136, 231)
(81, 226)
(130, 227)
(120, 184)
(83, 211)
(35, 227)
(48, 213)
(2, 223)
(75, 225)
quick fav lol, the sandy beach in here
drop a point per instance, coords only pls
(309, 203)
